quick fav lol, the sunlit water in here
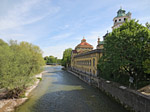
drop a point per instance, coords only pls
(60, 91)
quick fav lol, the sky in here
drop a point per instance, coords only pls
(55, 25)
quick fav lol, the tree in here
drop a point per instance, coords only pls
(124, 53)
(148, 25)
(18, 65)
(66, 61)
(146, 63)
(51, 59)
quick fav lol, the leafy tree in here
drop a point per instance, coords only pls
(19, 63)
(66, 61)
(59, 61)
(146, 63)
(147, 25)
(124, 53)
(51, 59)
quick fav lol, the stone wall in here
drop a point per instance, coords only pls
(129, 98)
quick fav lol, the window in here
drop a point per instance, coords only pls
(93, 61)
(90, 62)
(125, 19)
(115, 21)
(119, 19)
(93, 72)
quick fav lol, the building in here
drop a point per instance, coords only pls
(121, 18)
(83, 46)
(84, 59)
(100, 44)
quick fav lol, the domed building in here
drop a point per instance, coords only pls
(85, 59)
(83, 46)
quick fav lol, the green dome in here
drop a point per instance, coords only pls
(121, 12)
(101, 42)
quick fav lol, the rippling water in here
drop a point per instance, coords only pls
(60, 91)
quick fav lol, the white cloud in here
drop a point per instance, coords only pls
(13, 23)
(61, 36)
(22, 14)
(143, 20)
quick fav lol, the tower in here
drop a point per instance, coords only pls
(121, 18)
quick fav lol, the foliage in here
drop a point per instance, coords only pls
(18, 64)
(51, 59)
(146, 63)
(39, 78)
(125, 53)
(147, 25)
(66, 57)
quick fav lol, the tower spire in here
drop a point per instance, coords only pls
(120, 7)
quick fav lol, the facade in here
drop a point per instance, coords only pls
(85, 60)
(121, 18)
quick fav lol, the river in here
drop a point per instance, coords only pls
(60, 91)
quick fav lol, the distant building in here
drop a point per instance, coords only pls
(85, 59)
(121, 18)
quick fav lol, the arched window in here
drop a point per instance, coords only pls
(90, 62)
(93, 61)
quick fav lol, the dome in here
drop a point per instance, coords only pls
(84, 44)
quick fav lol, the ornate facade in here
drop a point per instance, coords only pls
(84, 59)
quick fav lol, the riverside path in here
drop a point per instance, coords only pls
(60, 91)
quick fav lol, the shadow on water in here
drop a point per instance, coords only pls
(63, 92)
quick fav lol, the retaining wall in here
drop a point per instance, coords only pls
(129, 98)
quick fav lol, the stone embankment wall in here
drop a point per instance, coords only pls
(131, 99)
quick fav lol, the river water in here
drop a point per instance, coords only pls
(60, 91)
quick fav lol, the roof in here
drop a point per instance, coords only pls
(84, 44)
(74, 51)
(105, 35)
(121, 12)
(90, 52)
(101, 42)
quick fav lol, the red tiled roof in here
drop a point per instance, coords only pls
(84, 43)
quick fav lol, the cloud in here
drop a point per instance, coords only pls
(60, 36)
(64, 27)
(143, 20)
(14, 24)
(23, 13)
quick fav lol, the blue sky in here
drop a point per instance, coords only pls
(55, 25)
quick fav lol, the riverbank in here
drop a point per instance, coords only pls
(131, 99)
(9, 105)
